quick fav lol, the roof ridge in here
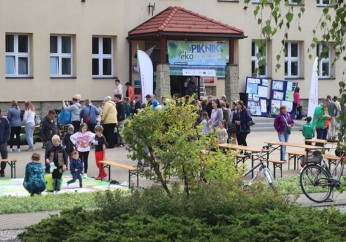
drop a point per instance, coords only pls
(168, 19)
(208, 19)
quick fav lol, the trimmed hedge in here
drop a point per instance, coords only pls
(210, 213)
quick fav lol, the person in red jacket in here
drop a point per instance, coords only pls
(130, 92)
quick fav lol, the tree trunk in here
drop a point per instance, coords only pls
(158, 173)
(186, 183)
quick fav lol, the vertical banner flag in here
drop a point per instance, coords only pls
(146, 73)
(313, 98)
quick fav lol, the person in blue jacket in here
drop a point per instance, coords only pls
(34, 181)
(4, 136)
(13, 116)
(76, 169)
(89, 114)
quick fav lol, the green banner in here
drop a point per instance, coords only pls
(198, 53)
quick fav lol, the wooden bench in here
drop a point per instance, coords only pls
(332, 159)
(277, 164)
(133, 170)
(242, 158)
(294, 155)
(12, 163)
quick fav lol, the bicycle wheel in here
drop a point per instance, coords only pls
(269, 178)
(314, 183)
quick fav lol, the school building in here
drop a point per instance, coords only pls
(51, 50)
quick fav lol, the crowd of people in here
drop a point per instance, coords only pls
(100, 128)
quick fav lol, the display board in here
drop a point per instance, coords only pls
(281, 93)
(257, 90)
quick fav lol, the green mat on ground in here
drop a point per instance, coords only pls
(14, 187)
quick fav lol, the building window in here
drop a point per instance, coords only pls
(292, 61)
(324, 2)
(324, 65)
(17, 55)
(102, 57)
(295, 2)
(61, 57)
(258, 58)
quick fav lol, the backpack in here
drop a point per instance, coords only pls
(64, 117)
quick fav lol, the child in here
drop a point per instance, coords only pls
(82, 140)
(205, 118)
(67, 143)
(308, 130)
(100, 151)
(57, 155)
(34, 181)
(223, 135)
(76, 168)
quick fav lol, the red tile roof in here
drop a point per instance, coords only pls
(180, 20)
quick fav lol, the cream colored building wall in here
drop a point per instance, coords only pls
(115, 18)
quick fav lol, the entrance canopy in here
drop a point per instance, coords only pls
(178, 21)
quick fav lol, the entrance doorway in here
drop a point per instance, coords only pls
(179, 85)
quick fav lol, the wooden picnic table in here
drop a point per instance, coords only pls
(240, 147)
(308, 148)
(321, 141)
(243, 148)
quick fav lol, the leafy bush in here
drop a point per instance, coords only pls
(174, 147)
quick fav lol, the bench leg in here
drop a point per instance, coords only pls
(252, 165)
(274, 169)
(14, 169)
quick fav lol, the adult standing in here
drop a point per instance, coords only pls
(332, 111)
(216, 114)
(321, 119)
(241, 118)
(283, 124)
(338, 105)
(4, 136)
(29, 120)
(191, 87)
(75, 109)
(118, 89)
(233, 131)
(130, 91)
(297, 108)
(121, 116)
(109, 121)
(13, 116)
(89, 114)
(48, 129)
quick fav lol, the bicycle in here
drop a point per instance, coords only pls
(262, 167)
(316, 180)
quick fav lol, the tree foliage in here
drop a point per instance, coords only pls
(172, 144)
(282, 15)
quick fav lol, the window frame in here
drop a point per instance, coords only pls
(101, 57)
(292, 3)
(256, 60)
(319, 49)
(289, 59)
(321, 4)
(61, 56)
(16, 54)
